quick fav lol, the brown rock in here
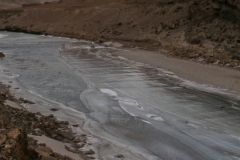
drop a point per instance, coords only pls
(236, 56)
(231, 2)
(100, 41)
(80, 145)
(238, 6)
(193, 55)
(50, 116)
(44, 157)
(26, 101)
(119, 156)
(89, 152)
(216, 6)
(66, 134)
(2, 55)
(2, 139)
(54, 109)
(44, 150)
(65, 122)
(5, 120)
(172, 25)
(221, 1)
(159, 29)
(75, 125)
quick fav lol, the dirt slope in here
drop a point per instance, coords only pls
(204, 31)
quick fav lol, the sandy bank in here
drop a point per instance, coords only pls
(215, 76)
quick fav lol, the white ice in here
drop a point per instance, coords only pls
(154, 117)
(2, 35)
(108, 92)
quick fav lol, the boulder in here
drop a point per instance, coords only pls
(65, 134)
(2, 55)
(43, 150)
(159, 29)
(216, 6)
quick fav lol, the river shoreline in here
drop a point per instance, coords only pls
(172, 39)
(139, 56)
(214, 76)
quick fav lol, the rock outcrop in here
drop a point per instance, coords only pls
(14, 143)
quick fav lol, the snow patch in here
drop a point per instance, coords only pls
(146, 121)
(2, 35)
(129, 102)
(154, 117)
(109, 92)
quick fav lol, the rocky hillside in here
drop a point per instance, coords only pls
(201, 30)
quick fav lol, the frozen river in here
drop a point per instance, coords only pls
(125, 107)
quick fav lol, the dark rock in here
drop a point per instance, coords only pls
(119, 156)
(83, 135)
(89, 152)
(43, 150)
(65, 122)
(193, 55)
(5, 120)
(236, 56)
(80, 145)
(2, 139)
(100, 41)
(159, 29)
(54, 109)
(195, 40)
(119, 24)
(45, 157)
(172, 25)
(66, 134)
(2, 55)
(50, 116)
(216, 6)
(26, 101)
